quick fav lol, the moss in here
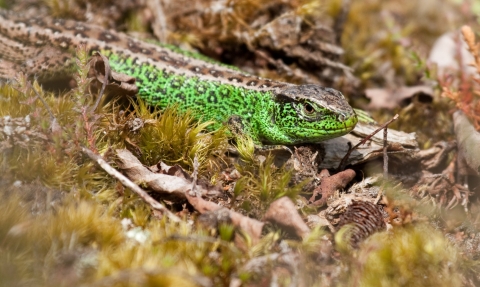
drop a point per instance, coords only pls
(262, 181)
(171, 252)
(416, 255)
(177, 138)
(79, 238)
(34, 247)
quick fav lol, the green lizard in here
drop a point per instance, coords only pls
(270, 112)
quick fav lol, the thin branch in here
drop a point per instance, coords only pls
(341, 166)
(385, 155)
(108, 72)
(52, 116)
(196, 165)
(129, 184)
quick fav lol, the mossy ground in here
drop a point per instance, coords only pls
(65, 222)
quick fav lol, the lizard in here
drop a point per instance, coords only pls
(270, 112)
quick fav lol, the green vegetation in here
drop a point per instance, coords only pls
(65, 222)
(414, 256)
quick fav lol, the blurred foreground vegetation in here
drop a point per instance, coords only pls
(64, 221)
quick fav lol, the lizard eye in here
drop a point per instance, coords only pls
(308, 108)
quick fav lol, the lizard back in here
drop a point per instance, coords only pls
(24, 38)
(268, 111)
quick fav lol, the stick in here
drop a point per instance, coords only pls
(129, 184)
(385, 155)
(341, 166)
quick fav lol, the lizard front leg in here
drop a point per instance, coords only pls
(240, 128)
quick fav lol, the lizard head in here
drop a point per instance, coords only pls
(311, 113)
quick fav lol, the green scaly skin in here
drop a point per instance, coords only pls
(264, 117)
(268, 111)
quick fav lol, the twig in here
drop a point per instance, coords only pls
(52, 117)
(108, 72)
(129, 184)
(385, 155)
(193, 191)
(54, 125)
(341, 166)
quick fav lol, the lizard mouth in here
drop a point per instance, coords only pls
(346, 129)
(345, 126)
(343, 130)
(317, 134)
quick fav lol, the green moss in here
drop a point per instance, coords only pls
(86, 223)
(171, 252)
(34, 247)
(411, 256)
(12, 102)
(262, 182)
(74, 235)
(177, 138)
